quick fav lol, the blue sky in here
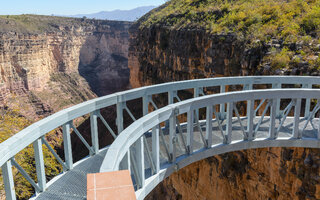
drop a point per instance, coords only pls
(69, 7)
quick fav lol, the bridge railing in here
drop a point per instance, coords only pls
(36, 133)
(148, 173)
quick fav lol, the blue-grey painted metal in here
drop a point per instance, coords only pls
(67, 145)
(8, 180)
(94, 131)
(135, 131)
(64, 118)
(38, 154)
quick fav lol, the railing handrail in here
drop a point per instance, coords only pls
(131, 134)
(34, 134)
(22, 139)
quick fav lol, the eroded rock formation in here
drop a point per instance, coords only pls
(69, 58)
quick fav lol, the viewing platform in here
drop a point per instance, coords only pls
(199, 119)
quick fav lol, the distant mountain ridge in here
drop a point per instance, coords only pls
(119, 15)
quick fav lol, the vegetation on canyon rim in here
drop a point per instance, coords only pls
(10, 123)
(255, 21)
(38, 23)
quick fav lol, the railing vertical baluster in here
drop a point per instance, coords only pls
(120, 117)
(297, 110)
(128, 160)
(229, 122)
(273, 115)
(222, 106)
(307, 107)
(250, 116)
(94, 131)
(156, 148)
(140, 161)
(172, 132)
(209, 113)
(8, 180)
(248, 87)
(38, 154)
(145, 104)
(170, 97)
(195, 95)
(190, 119)
(319, 128)
(277, 86)
(67, 146)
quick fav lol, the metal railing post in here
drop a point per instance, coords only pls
(190, 121)
(38, 154)
(273, 119)
(250, 116)
(8, 181)
(277, 86)
(209, 113)
(222, 106)
(297, 110)
(173, 137)
(94, 131)
(156, 148)
(140, 161)
(67, 145)
(248, 87)
(229, 122)
(145, 103)
(307, 107)
(120, 117)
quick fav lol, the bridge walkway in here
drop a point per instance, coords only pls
(71, 185)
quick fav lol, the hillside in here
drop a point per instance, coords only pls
(285, 32)
(50, 63)
(189, 39)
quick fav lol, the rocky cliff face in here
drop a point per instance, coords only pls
(158, 54)
(171, 45)
(271, 173)
(82, 51)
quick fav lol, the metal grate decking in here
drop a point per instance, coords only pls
(72, 184)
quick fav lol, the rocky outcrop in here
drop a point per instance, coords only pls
(158, 54)
(271, 173)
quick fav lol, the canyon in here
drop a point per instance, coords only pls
(73, 59)
(168, 45)
(50, 63)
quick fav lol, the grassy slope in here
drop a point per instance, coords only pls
(254, 21)
(260, 19)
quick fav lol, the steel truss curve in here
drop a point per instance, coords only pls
(154, 146)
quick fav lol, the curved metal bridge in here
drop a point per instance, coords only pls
(284, 113)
